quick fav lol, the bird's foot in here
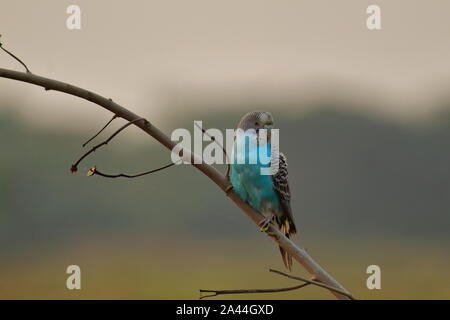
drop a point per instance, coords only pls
(264, 223)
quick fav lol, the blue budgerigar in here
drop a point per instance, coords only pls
(267, 194)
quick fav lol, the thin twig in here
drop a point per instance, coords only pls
(74, 167)
(94, 171)
(101, 130)
(306, 283)
(221, 146)
(249, 291)
(314, 282)
(15, 57)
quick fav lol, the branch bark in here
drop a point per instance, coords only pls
(220, 180)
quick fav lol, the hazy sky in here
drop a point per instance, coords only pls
(149, 55)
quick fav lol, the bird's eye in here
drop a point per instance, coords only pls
(256, 123)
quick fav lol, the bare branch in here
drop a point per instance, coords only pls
(14, 57)
(249, 291)
(101, 130)
(94, 171)
(221, 181)
(314, 282)
(223, 149)
(74, 167)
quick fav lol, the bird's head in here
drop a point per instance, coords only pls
(256, 120)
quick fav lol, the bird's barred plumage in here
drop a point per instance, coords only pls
(286, 221)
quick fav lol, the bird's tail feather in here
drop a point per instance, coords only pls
(287, 228)
(287, 259)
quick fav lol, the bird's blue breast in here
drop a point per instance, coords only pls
(248, 182)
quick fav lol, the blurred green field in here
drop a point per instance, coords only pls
(157, 268)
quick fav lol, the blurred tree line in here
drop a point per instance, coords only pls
(352, 175)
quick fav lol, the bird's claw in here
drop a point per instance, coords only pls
(264, 224)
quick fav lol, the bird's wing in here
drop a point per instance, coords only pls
(281, 186)
(286, 221)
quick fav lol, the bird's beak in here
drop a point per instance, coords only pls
(268, 127)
